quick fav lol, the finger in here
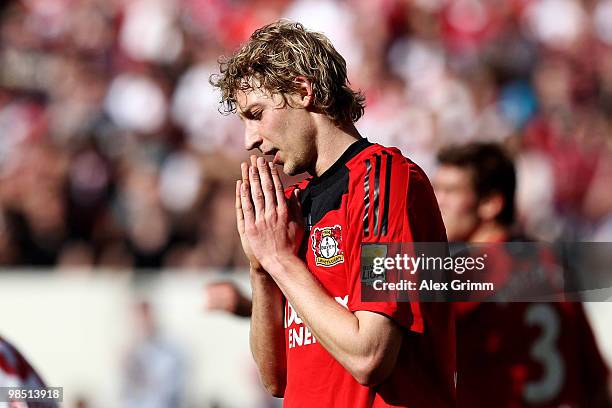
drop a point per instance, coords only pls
(239, 213)
(244, 169)
(278, 188)
(253, 164)
(247, 206)
(256, 192)
(267, 185)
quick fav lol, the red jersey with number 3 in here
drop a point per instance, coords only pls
(526, 355)
(371, 194)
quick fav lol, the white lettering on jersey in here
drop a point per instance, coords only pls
(342, 300)
(301, 335)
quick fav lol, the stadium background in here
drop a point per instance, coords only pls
(117, 170)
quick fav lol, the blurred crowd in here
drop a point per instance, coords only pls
(113, 152)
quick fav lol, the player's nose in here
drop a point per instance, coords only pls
(252, 139)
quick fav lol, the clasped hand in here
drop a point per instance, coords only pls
(269, 224)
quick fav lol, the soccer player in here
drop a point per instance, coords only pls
(512, 354)
(314, 340)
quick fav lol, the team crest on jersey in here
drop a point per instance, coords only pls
(327, 246)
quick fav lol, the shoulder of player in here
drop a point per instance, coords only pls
(387, 159)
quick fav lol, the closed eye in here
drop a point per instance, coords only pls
(252, 112)
(254, 115)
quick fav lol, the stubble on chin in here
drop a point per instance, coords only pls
(289, 170)
(294, 168)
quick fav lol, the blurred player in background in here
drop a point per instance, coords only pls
(315, 342)
(15, 371)
(511, 354)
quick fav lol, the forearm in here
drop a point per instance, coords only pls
(367, 354)
(267, 338)
(365, 343)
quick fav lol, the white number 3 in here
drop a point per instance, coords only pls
(545, 351)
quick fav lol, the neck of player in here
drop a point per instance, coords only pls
(331, 142)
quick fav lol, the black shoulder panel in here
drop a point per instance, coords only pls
(320, 198)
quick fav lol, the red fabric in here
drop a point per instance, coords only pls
(521, 355)
(424, 372)
(506, 349)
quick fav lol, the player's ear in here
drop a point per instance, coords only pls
(304, 90)
(490, 207)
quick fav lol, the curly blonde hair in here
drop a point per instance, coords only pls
(278, 53)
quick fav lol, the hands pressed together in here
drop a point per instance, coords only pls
(269, 224)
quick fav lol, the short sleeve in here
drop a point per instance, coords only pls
(390, 201)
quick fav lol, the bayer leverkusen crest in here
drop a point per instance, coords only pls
(327, 246)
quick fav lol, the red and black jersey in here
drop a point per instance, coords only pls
(371, 194)
(528, 355)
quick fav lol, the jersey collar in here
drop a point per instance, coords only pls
(348, 154)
